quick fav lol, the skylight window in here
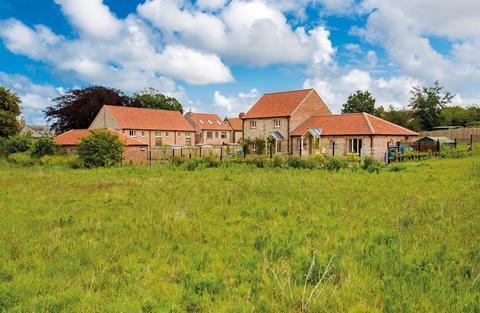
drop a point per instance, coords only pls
(210, 122)
(219, 123)
(202, 122)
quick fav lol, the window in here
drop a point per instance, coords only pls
(179, 134)
(158, 141)
(276, 123)
(224, 135)
(143, 133)
(202, 122)
(188, 142)
(166, 134)
(219, 123)
(158, 134)
(354, 145)
(132, 133)
(210, 122)
(279, 147)
(216, 134)
(187, 134)
(253, 124)
(209, 135)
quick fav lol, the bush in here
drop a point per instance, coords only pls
(319, 160)
(294, 161)
(44, 146)
(397, 168)
(336, 163)
(17, 143)
(52, 160)
(100, 148)
(277, 162)
(21, 158)
(370, 164)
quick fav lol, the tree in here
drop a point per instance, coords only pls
(9, 110)
(428, 102)
(78, 107)
(402, 117)
(150, 98)
(361, 101)
(44, 146)
(459, 116)
(100, 148)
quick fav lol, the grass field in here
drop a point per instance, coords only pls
(240, 239)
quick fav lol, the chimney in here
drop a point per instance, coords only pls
(240, 115)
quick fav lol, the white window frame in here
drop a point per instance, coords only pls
(187, 134)
(166, 134)
(216, 134)
(158, 134)
(253, 124)
(277, 123)
(132, 133)
(354, 145)
(143, 133)
(223, 135)
(179, 134)
(209, 133)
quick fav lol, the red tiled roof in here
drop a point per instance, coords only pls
(149, 119)
(352, 124)
(208, 121)
(277, 104)
(236, 123)
(73, 137)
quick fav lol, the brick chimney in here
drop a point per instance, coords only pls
(240, 115)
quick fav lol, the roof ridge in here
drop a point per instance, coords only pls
(138, 108)
(370, 126)
(295, 90)
(396, 125)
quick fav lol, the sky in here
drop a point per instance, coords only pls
(220, 56)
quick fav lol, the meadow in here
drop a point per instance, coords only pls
(240, 239)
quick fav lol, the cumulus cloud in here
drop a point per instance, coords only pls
(231, 105)
(35, 97)
(249, 32)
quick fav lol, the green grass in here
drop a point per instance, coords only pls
(240, 239)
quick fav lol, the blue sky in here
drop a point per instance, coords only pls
(220, 56)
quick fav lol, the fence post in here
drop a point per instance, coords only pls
(150, 157)
(388, 152)
(221, 153)
(471, 142)
(173, 153)
(200, 151)
(333, 148)
(181, 152)
(455, 142)
(438, 145)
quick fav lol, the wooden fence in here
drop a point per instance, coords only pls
(461, 134)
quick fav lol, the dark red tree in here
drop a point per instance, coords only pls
(78, 107)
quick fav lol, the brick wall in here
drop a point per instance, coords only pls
(216, 137)
(104, 120)
(264, 129)
(311, 106)
(167, 137)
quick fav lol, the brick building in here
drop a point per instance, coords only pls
(153, 127)
(278, 114)
(210, 129)
(134, 151)
(236, 124)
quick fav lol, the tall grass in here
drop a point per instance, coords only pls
(240, 239)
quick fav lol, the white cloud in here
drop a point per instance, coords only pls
(91, 17)
(35, 97)
(211, 4)
(249, 32)
(231, 105)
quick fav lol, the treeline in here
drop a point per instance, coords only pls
(427, 108)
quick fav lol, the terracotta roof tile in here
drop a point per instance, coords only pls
(208, 121)
(352, 124)
(149, 119)
(236, 123)
(73, 137)
(277, 104)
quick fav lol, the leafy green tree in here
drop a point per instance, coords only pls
(9, 110)
(402, 117)
(360, 101)
(459, 116)
(78, 107)
(151, 98)
(427, 104)
(100, 148)
(44, 146)
(16, 143)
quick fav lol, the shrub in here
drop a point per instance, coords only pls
(353, 158)
(397, 168)
(319, 160)
(178, 161)
(100, 148)
(44, 146)
(277, 162)
(17, 143)
(211, 161)
(21, 158)
(370, 164)
(259, 145)
(52, 160)
(294, 161)
(336, 163)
